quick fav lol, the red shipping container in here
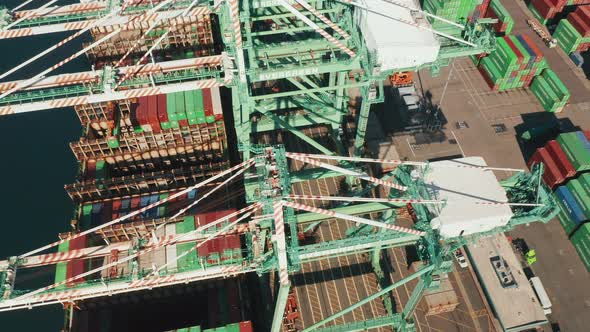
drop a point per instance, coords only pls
(246, 327)
(90, 170)
(558, 155)
(514, 49)
(162, 109)
(141, 110)
(551, 174)
(76, 267)
(183, 123)
(544, 7)
(533, 47)
(116, 205)
(153, 114)
(135, 201)
(207, 102)
(488, 80)
(578, 23)
(583, 47)
(584, 12)
(107, 210)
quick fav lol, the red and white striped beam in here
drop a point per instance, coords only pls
(224, 230)
(237, 27)
(400, 162)
(367, 199)
(345, 171)
(147, 249)
(117, 21)
(142, 70)
(406, 200)
(61, 10)
(281, 243)
(247, 163)
(370, 222)
(317, 28)
(34, 79)
(324, 19)
(120, 287)
(104, 97)
(173, 24)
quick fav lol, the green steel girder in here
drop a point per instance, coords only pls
(299, 70)
(268, 124)
(49, 20)
(364, 325)
(296, 102)
(281, 302)
(355, 245)
(410, 306)
(357, 209)
(301, 135)
(290, 15)
(282, 48)
(295, 93)
(48, 94)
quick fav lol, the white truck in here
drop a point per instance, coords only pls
(541, 294)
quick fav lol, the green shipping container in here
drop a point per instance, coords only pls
(190, 261)
(171, 106)
(233, 327)
(61, 269)
(564, 219)
(180, 106)
(581, 241)
(580, 195)
(575, 151)
(556, 84)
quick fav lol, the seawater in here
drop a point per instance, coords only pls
(35, 163)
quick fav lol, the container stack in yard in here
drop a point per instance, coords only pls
(453, 10)
(513, 64)
(573, 32)
(566, 161)
(544, 10)
(518, 63)
(498, 11)
(550, 91)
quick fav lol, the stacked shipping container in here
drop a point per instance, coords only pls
(565, 159)
(573, 33)
(454, 10)
(505, 22)
(550, 91)
(514, 63)
(544, 10)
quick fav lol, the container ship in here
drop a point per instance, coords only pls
(226, 181)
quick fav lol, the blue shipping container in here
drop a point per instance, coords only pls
(569, 202)
(192, 194)
(145, 200)
(577, 59)
(125, 203)
(532, 54)
(584, 140)
(96, 208)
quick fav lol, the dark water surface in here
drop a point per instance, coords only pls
(35, 163)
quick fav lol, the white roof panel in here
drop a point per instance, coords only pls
(462, 186)
(398, 44)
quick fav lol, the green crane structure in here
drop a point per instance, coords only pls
(289, 65)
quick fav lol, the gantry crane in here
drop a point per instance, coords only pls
(271, 218)
(288, 65)
(290, 56)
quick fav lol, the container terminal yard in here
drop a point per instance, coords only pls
(386, 165)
